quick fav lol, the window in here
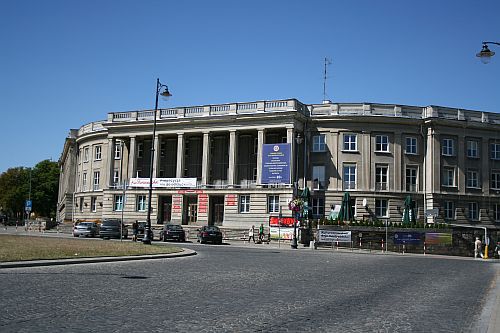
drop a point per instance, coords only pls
(411, 179)
(140, 150)
(411, 145)
(93, 204)
(382, 143)
(319, 144)
(162, 149)
(349, 176)
(319, 176)
(495, 180)
(495, 151)
(318, 207)
(84, 181)
(472, 179)
(449, 210)
(381, 172)
(97, 152)
(97, 174)
(118, 151)
(141, 203)
(473, 211)
(472, 149)
(244, 203)
(118, 203)
(447, 148)
(273, 203)
(116, 177)
(350, 142)
(81, 205)
(448, 176)
(496, 212)
(381, 207)
(86, 154)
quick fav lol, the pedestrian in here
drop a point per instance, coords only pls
(251, 233)
(478, 245)
(261, 232)
(497, 250)
(135, 231)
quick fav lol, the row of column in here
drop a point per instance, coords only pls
(233, 148)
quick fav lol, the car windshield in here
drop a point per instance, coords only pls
(173, 227)
(212, 229)
(111, 223)
(85, 224)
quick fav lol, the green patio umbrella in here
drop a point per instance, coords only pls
(346, 210)
(306, 198)
(409, 211)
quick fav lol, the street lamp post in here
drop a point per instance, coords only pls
(165, 93)
(485, 54)
(298, 141)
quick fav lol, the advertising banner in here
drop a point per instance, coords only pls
(163, 182)
(434, 238)
(275, 221)
(330, 236)
(276, 163)
(281, 233)
(407, 238)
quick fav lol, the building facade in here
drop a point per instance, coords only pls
(447, 160)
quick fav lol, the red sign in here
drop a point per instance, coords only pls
(274, 221)
(231, 200)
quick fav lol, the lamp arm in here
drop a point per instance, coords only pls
(494, 43)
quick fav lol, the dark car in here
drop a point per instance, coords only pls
(87, 229)
(173, 232)
(141, 230)
(210, 234)
(112, 229)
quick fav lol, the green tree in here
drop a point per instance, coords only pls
(14, 186)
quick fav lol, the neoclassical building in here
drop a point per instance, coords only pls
(447, 159)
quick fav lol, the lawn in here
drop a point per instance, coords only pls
(18, 248)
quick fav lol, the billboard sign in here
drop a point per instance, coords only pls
(407, 238)
(330, 236)
(276, 221)
(276, 161)
(164, 182)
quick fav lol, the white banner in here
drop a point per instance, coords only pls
(329, 236)
(164, 182)
(282, 233)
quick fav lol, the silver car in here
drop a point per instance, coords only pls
(87, 229)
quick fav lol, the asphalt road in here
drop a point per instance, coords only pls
(250, 289)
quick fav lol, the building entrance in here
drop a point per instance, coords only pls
(165, 209)
(190, 215)
(216, 210)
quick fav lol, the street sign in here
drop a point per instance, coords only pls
(28, 205)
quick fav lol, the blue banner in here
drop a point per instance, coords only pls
(276, 164)
(407, 238)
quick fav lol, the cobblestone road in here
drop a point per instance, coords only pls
(231, 289)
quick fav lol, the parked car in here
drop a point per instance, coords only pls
(111, 229)
(210, 234)
(87, 229)
(141, 228)
(173, 232)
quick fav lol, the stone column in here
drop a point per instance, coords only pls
(180, 155)
(260, 142)
(131, 158)
(233, 152)
(205, 164)
(110, 162)
(156, 148)
(485, 167)
(461, 172)
(397, 179)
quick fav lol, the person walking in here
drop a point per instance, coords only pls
(261, 233)
(135, 231)
(251, 233)
(478, 246)
(497, 250)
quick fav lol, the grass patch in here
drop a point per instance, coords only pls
(18, 248)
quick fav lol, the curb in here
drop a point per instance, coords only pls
(36, 263)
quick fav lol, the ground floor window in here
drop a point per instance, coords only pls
(273, 203)
(118, 203)
(496, 212)
(318, 207)
(381, 207)
(244, 204)
(449, 210)
(473, 211)
(141, 203)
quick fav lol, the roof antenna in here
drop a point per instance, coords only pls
(327, 63)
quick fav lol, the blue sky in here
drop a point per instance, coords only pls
(67, 63)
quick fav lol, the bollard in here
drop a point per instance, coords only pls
(424, 248)
(383, 245)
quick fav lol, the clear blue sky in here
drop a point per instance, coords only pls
(67, 63)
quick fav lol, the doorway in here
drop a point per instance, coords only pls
(165, 209)
(216, 210)
(190, 215)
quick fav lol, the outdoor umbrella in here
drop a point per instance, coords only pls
(306, 198)
(346, 212)
(409, 211)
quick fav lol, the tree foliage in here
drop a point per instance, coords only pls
(15, 189)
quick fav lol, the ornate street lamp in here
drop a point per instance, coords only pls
(298, 141)
(485, 54)
(165, 93)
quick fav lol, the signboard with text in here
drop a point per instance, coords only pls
(330, 236)
(163, 182)
(407, 238)
(276, 163)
